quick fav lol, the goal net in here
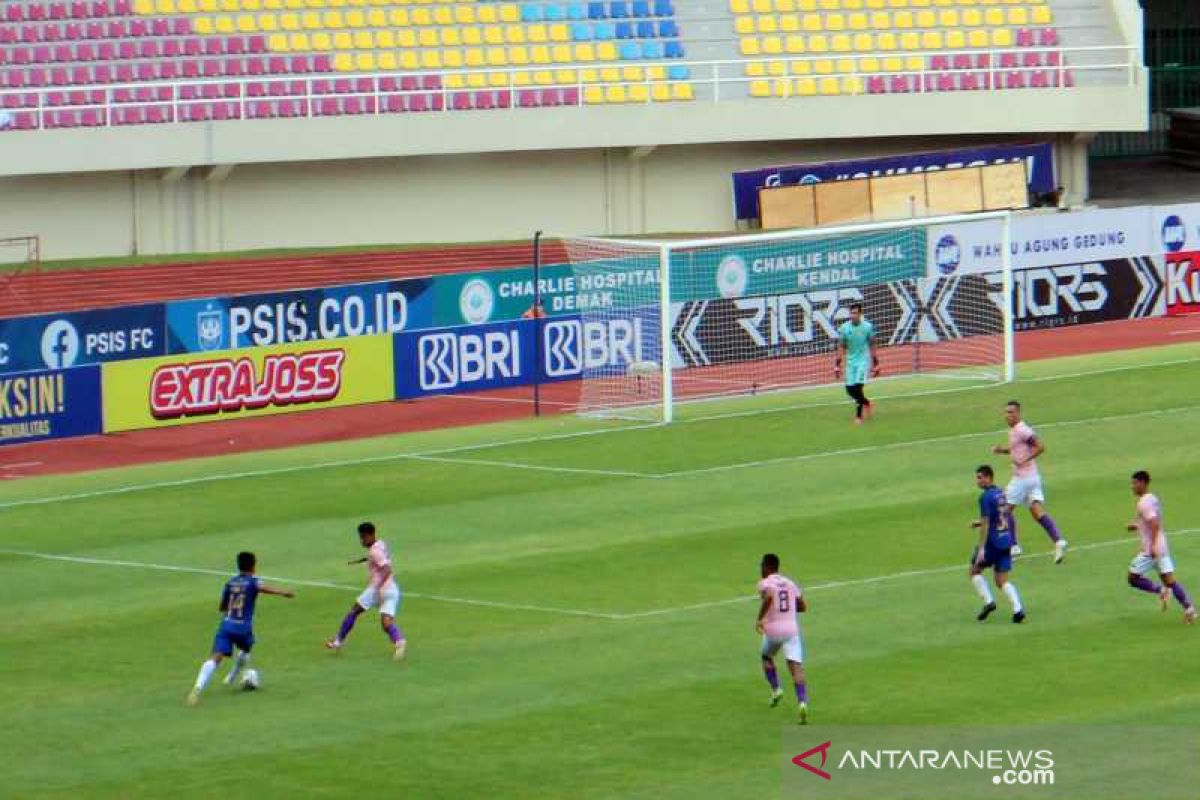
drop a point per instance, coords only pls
(702, 319)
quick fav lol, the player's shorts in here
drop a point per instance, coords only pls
(1024, 491)
(792, 646)
(994, 558)
(1143, 564)
(229, 637)
(388, 600)
(857, 373)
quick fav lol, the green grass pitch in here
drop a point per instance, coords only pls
(530, 698)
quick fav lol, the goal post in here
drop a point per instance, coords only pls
(675, 321)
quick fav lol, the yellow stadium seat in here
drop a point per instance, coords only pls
(365, 62)
(1018, 16)
(292, 4)
(150, 7)
(289, 22)
(835, 22)
(811, 22)
(749, 46)
(561, 53)
(897, 3)
(497, 56)
(840, 43)
(398, 17)
(406, 37)
(493, 34)
(364, 40)
(330, 3)
(956, 40)
(858, 22)
(470, 36)
(743, 25)
(847, 66)
(831, 86)
(656, 73)
(560, 33)
(487, 14)
(278, 43)
(682, 91)
(823, 66)
(777, 68)
(431, 59)
(497, 79)
(428, 37)
(606, 51)
(321, 41)
(994, 16)
(610, 74)
(893, 64)
(464, 14)
(633, 74)
(207, 6)
(926, 19)
(902, 20)
(739, 6)
(660, 92)
(585, 52)
(518, 55)
(772, 45)
(443, 15)
(1041, 15)
(639, 93)
(760, 88)
(616, 94)
(190, 7)
(451, 37)
(881, 21)
(830, 5)
(761, 6)
(225, 25)
(377, 18)
(794, 44)
(910, 41)
(921, 3)
(409, 60)
(538, 34)
(818, 44)
(421, 16)
(978, 38)
(474, 57)
(387, 61)
(914, 63)
(300, 42)
(226, 5)
(454, 81)
(948, 18)
(540, 54)
(806, 5)
(806, 87)
(785, 6)
(588, 75)
(876, 3)
(932, 40)
(247, 23)
(452, 59)
(343, 62)
(355, 19)
(268, 23)
(768, 24)
(781, 87)
(885, 41)
(311, 21)
(520, 79)
(801, 67)
(864, 42)
(852, 84)
(868, 65)
(510, 12)
(203, 25)
(789, 23)
(972, 18)
(593, 95)
(1002, 37)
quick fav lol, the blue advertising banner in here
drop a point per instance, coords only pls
(301, 315)
(49, 405)
(56, 341)
(505, 354)
(746, 183)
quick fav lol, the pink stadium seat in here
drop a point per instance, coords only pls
(122, 7)
(193, 47)
(79, 10)
(900, 84)
(146, 71)
(26, 122)
(571, 96)
(946, 83)
(299, 64)
(210, 91)
(322, 87)
(409, 83)
(106, 51)
(102, 74)
(431, 82)
(138, 27)
(29, 34)
(144, 94)
(418, 102)
(527, 98)
(256, 89)
(8, 35)
(1014, 80)
(53, 32)
(116, 29)
(328, 106)
(352, 105)
(181, 26)
(220, 111)
(1048, 37)
(62, 52)
(58, 11)
(85, 51)
(73, 32)
(395, 104)
(127, 50)
(148, 48)
(1008, 61)
(875, 85)
(485, 100)
(163, 94)
(504, 98)
(258, 44)
(1024, 37)
(460, 101)
(969, 82)
(939, 63)
(983, 61)
(364, 85)
(95, 30)
(55, 99)
(11, 101)
(59, 77)
(1053, 58)
(1031, 60)
(234, 67)
(14, 13)
(551, 97)
(277, 65)
(235, 46)
(260, 109)
(160, 27)
(256, 65)
(212, 47)
(35, 12)
(122, 95)
(91, 118)
(388, 84)
(41, 54)
(341, 86)
(1039, 80)
(231, 90)
(322, 63)
(156, 114)
(191, 69)
(80, 75)
(188, 91)
(168, 70)
(211, 68)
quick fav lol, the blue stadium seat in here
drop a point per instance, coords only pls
(668, 29)
(645, 29)
(605, 30)
(663, 8)
(618, 9)
(554, 13)
(674, 49)
(577, 11)
(531, 12)
(581, 32)
(596, 10)
(679, 73)
(641, 8)
(624, 30)
(653, 49)
(631, 51)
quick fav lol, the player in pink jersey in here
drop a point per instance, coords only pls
(1025, 487)
(1154, 553)
(782, 600)
(381, 590)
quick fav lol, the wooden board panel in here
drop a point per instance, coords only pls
(787, 207)
(955, 191)
(899, 197)
(843, 201)
(1005, 186)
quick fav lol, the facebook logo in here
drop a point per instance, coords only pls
(60, 344)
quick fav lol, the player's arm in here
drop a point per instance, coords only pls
(362, 560)
(874, 354)
(1038, 449)
(1156, 535)
(762, 610)
(224, 600)
(268, 589)
(801, 603)
(839, 354)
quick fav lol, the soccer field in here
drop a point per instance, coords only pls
(580, 608)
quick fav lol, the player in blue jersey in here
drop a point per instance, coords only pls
(237, 626)
(994, 549)
(854, 342)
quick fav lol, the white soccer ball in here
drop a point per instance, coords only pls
(250, 680)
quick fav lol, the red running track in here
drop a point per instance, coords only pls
(239, 436)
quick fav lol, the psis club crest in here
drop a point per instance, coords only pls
(210, 329)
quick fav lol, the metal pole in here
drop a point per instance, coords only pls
(537, 324)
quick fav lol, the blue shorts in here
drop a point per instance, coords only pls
(857, 373)
(994, 558)
(230, 636)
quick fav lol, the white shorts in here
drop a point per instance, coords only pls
(1143, 564)
(793, 648)
(1024, 491)
(388, 600)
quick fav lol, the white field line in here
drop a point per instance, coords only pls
(535, 467)
(425, 455)
(21, 465)
(574, 612)
(107, 562)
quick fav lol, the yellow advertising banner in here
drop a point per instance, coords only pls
(235, 384)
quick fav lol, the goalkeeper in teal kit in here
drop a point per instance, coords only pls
(854, 342)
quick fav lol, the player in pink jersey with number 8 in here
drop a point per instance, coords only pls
(1025, 487)
(382, 590)
(782, 600)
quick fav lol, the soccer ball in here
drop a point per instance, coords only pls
(250, 680)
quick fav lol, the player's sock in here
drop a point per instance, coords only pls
(206, 672)
(239, 661)
(1010, 591)
(1181, 595)
(1047, 522)
(394, 633)
(802, 692)
(1144, 583)
(347, 626)
(772, 675)
(982, 589)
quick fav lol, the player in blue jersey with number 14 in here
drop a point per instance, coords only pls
(854, 341)
(995, 546)
(237, 627)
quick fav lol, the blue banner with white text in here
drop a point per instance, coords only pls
(51, 404)
(57, 341)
